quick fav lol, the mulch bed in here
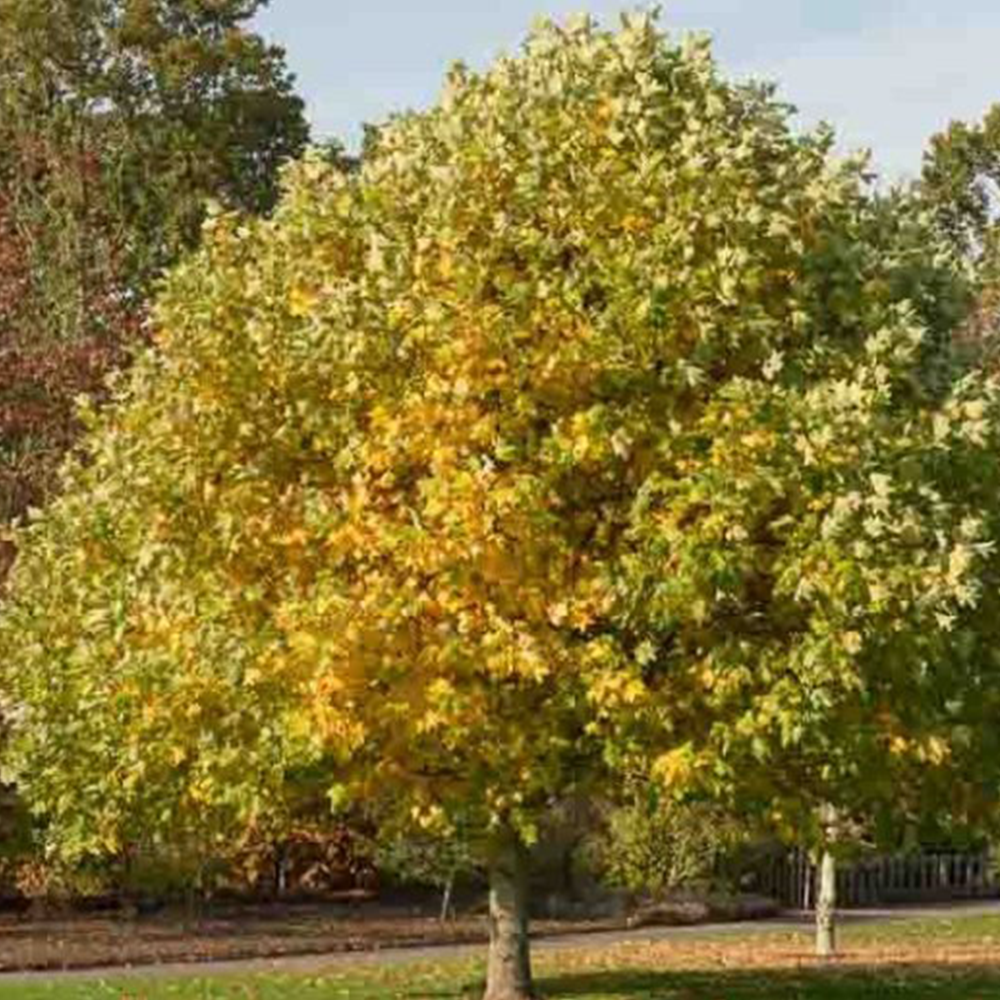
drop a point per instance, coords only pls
(230, 931)
(81, 941)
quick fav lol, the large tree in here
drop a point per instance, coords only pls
(577, 430)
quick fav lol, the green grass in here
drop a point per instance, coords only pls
(887, 962)
(628, 985)
(959, 930)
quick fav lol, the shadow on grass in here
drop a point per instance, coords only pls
(907, 982)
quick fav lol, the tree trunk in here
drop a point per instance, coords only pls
(808, 886)
(826, 903)
(508, 974)
(446, 897)
(280, 871)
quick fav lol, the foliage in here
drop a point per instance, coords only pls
(821, 581)
(960, 185)
(584, 422)
(40, 380)
(427, 861)
(118, 118)
(960, 181)
(653, 846)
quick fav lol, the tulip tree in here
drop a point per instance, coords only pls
(581, 428)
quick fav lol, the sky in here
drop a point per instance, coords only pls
(885, 73)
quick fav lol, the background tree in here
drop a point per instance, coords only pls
(165, 103)
(540, 446)
(960, 185)
(437, 862)
(40, 380)
(960, 180)
(118, 119)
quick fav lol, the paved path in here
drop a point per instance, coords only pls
(789, 922)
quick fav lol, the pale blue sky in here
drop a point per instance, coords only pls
(886, 73)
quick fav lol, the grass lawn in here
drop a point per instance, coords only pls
(934, 960)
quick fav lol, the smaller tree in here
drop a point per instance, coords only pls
(429, 861)
(830, 594)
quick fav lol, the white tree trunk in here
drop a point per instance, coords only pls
(446, 897)
(826, 906)
(508, 974)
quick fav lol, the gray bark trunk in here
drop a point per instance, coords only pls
(446, 897)
(508, 974)
(826, 906)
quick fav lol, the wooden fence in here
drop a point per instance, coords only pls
(929, 877)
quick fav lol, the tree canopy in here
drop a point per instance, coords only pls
(582, 430)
